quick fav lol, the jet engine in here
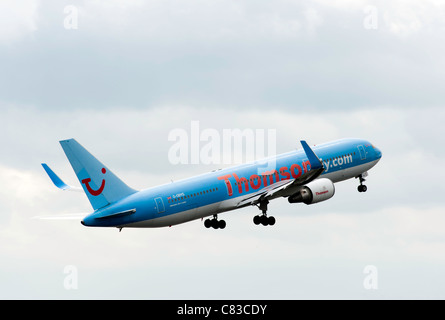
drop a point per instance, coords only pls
(315, 191)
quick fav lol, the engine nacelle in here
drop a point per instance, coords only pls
(315, 191)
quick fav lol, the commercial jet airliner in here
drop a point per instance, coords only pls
(305, 176)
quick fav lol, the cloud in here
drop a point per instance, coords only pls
(138, 151)
(177, 21)
(407, 18)
(134, 71)
(390, 226)
(18, 19)
(226, 54)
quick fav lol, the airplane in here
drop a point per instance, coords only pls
(304, 175)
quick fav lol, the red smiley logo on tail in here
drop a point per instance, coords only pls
(90, 190)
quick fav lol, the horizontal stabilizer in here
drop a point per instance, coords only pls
(118, 214)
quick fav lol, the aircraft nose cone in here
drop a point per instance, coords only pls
(378, 153)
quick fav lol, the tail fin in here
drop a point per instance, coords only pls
(101, 186)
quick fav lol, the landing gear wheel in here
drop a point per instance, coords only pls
(362, 187)
(207, 223)
(263, 219)
(214, 223)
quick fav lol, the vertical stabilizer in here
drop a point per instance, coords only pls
(101, 186)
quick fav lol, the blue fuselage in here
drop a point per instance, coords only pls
(222, 190)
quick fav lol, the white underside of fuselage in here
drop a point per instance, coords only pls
(231, 204)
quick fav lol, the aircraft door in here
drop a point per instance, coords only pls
(160, 205)
(362, 151)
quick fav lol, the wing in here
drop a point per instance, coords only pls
(282, 188)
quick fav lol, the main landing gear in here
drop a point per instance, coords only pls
(362, 187)
(215, 223)
(264, 219)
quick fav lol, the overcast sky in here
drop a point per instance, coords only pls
(120, 75)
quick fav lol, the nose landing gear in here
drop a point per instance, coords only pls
(362, 187)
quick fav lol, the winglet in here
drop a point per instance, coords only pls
(57, 181)
(313, 159)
